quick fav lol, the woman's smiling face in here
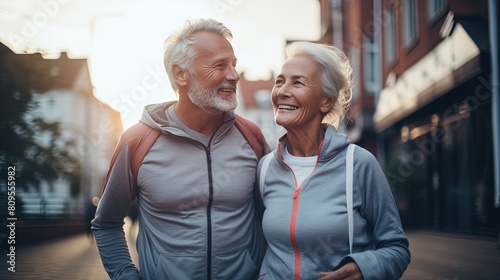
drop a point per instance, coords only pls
(296, 95)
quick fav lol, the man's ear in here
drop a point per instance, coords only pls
(326, 104)
(181, 76)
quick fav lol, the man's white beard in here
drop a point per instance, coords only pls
(209, 101)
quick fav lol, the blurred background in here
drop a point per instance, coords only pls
(74, 74)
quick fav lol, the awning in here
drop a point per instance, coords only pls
(455, 60)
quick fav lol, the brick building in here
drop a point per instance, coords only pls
(426, 103)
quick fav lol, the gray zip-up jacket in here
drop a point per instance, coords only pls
(197, 217)
(306, 226)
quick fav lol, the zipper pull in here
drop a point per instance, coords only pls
(295, 193)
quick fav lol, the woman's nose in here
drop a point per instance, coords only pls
(283, 91)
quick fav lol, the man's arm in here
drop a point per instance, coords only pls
(108, 223)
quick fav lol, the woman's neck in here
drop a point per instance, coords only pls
(302, 143)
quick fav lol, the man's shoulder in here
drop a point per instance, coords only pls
(139, 129)
(252, 134)
(239, 119)
(139, 134)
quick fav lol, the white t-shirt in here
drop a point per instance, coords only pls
(301, 166)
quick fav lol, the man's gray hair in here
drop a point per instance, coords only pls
(179, 48)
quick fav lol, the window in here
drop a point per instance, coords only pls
(370, 52)
(435, 8)
(262, 98)
(354, 54)
(390, 35)
(410, 22)
(336, 16)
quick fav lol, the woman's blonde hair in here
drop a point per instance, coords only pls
(336, 75)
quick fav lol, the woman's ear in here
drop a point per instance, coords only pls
(181, 76)
(326, 104)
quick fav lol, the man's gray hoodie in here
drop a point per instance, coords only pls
(197, 217)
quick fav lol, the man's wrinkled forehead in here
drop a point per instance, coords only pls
(212, 46)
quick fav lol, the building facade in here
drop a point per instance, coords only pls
(255, 104)
(92, 128)
(349, 25)
(433, 107)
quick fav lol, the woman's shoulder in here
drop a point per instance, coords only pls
(362, 155)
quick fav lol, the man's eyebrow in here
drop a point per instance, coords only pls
(223, 60)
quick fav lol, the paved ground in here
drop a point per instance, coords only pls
(438, 257)
(434, 257)
(70, 258)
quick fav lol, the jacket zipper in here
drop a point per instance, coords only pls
(210, 196)
(293, 218)
(293, 222)
(209, 213)
(210, 201)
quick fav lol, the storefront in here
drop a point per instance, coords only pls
(436, 141)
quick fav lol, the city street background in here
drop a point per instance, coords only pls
(434, 257)
(426, 102)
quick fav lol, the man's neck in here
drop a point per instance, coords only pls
(197, 119)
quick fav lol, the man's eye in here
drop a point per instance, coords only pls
(278, 82)
(299, 83)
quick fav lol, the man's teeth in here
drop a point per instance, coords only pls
(287, 107)
(227, 89)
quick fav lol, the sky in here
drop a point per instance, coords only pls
(123, 39)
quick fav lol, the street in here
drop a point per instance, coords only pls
(438, 257)
(70, 258)
(434, 257)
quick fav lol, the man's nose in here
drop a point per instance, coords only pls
(232, 74)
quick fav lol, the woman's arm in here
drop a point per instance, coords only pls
(391, 254)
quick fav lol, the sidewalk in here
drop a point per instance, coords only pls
(72, 257)
(447, 257)
(434, 257)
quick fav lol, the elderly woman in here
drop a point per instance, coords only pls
(303, 186)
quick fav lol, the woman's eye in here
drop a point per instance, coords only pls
(299, 83)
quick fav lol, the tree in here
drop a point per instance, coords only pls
(21, 78)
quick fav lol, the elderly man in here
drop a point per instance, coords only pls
(197, 207)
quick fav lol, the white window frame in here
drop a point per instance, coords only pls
(390, 38)
(410, 22)
(370, 67)
(435, 8)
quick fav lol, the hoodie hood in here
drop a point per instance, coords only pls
(333, 142)
(163, 117)
(154, 115)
